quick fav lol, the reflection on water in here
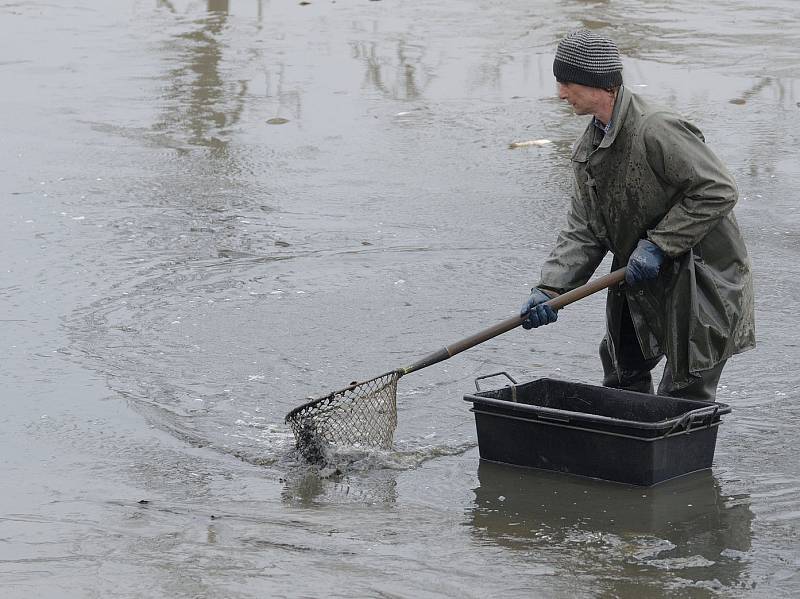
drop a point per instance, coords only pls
(218, 6)
(685, 526)
(402, 77)
(309, 487)
(200, 100)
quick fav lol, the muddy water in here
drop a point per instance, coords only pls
(211, 211)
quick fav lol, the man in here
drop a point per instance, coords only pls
(648, 190)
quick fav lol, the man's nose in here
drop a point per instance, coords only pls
(562, 91)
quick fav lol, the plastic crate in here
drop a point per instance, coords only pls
(604, 433)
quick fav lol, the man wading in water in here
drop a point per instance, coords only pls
(648, 190)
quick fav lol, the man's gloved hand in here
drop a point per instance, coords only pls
(644, 263)
(536, 312)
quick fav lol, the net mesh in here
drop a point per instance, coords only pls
(362, 414)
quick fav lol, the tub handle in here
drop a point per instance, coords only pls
(488, 376)
(685, 423)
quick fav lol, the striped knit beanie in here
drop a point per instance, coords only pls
(589, 59)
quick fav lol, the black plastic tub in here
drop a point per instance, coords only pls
(604, 433)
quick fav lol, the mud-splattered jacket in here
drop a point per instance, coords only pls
(652, 176)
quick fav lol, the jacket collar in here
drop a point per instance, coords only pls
(583, 148)
(617, 116)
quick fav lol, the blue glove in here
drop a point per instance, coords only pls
(536, 312)
(644, 263)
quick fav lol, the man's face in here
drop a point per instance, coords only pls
(584, 99)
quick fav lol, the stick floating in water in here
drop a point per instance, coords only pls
(531, 142)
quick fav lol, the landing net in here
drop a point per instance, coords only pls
(363, 414)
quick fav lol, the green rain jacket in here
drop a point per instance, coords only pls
(652, 176)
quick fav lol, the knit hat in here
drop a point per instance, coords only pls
(588, 58)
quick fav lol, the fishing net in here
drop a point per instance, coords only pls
(363, 414)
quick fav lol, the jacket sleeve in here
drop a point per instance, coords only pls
(577, 253)
(706, 191)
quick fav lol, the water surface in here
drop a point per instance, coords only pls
(214, 210)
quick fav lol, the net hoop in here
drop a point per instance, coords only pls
(361, 414)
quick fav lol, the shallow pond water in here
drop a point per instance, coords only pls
(213, 210)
